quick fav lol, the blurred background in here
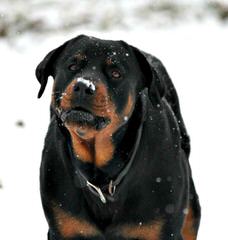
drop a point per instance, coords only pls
(191, 39)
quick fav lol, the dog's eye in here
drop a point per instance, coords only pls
(116, 74)
(73, 67)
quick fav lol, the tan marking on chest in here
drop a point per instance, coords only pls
(70, 226)
(83, 149)
(149, 231)
(188, 231)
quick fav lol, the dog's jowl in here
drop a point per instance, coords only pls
(115, 160)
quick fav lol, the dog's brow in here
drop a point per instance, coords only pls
(80, 56)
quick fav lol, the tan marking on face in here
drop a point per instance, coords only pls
(70, 226)
(80, 56)
(188, 231)
(102, 104)
(149, 231)
(67, 96)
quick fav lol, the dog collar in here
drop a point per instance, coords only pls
(82, 182)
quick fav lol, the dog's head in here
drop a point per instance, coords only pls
(97, 83)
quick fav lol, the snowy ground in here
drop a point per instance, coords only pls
(196, 58)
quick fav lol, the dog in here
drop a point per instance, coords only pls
(115, 159)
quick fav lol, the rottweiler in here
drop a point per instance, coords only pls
(115, 160)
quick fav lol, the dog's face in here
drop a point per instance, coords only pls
(96, 83)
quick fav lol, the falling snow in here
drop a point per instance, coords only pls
(158, 179)
(185, 211)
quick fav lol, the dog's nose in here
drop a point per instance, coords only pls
(84, 87)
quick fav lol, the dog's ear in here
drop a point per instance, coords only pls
(46, 67)
(154, 72)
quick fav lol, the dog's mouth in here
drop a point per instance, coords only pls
(83, 117)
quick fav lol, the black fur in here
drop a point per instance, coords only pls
(158, 186)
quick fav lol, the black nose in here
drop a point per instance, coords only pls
(83, 89)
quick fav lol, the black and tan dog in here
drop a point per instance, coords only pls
(115, 161)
